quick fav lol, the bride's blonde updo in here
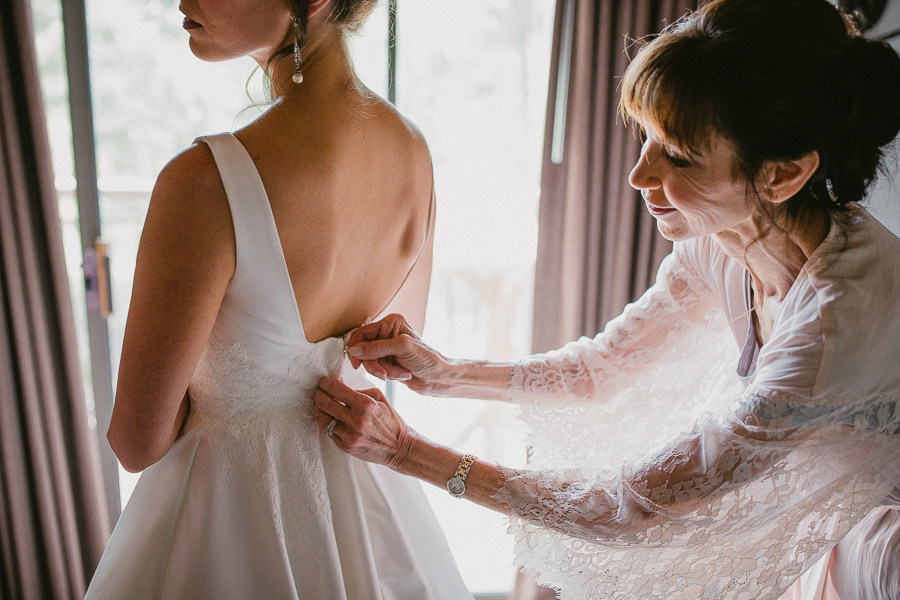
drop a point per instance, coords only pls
(779, 79)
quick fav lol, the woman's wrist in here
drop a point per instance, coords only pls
(402, 453)
(478, 379)
(436, 464)
(425, 460)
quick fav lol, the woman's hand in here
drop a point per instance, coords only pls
(366, 427)
(391, 349)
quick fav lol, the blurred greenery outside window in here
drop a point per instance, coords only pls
(473, 77)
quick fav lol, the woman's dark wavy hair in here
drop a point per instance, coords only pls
(779, 79)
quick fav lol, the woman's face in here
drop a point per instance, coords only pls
(691, 195)
(225, 29)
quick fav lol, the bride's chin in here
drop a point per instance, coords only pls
(205, 53)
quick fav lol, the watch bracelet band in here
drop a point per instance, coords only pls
(456, 485)
(463, 470)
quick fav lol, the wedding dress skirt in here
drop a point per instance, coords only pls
(253, 501)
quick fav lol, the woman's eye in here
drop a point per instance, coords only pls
(676, 161)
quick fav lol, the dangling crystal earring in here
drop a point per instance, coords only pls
(298, 75)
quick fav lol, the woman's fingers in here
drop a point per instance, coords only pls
(392, 326)
(405, 358)
(322, 418)
(372, 431)
(353, 411)
(337, 391)
(354, 408)
(394, 371)
(374, 367)
(378, 357)
(348, 403)
(386, 368)
(375, 394)
(330, 406)
(373, 331)
(380, 348)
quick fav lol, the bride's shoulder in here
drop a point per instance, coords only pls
(189, 193)
(192, 172)
(401, 147)
(390, 122)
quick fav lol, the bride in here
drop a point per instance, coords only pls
(261, 249)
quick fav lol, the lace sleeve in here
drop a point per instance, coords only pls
(737, 506)
(589, 369)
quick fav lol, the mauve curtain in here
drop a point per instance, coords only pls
(53, 522)
(598, 247)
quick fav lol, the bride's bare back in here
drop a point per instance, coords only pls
(350, 185)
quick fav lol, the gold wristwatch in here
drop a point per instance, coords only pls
(456, 485)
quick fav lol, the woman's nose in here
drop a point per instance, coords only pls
(643, 175)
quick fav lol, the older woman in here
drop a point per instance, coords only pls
(248, 275)
(764, 124)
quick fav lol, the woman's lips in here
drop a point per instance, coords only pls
(190, 24)
(657, 211)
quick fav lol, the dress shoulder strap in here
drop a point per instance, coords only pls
(247, 196)
(261, 278)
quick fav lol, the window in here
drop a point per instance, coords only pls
(471, 74)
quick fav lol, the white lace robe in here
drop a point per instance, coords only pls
(660, 475)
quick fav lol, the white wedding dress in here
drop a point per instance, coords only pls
(253, 501)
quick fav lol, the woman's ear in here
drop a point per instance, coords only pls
(784, 178)
(316, 6)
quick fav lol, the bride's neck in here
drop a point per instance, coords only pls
(326, 67)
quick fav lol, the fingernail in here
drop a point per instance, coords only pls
(354, 351)
(404, 376)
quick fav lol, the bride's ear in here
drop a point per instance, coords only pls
(781, 179)
(316, 6)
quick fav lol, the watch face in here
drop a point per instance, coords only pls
(456, 486)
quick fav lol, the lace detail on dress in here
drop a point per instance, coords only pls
(731, 496)
(586, 390)
(736, 506)
(589, 369)
(719, 512)
(233, 403)
(253, 416)
(784, 414)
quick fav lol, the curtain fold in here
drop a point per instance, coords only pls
(53, 525)
(598, 247)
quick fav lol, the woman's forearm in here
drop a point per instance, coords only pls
(479, 379)
(437, 464)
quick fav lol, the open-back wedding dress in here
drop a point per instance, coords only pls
(252, 501)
